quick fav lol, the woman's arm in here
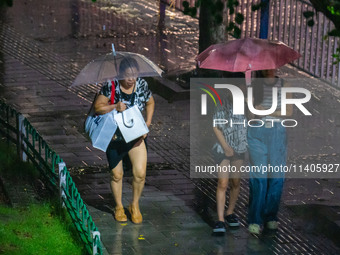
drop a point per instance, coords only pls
(228, 151)
(150, 108)
(102, 106)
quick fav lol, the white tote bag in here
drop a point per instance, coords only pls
(101, 129)
(131, 123)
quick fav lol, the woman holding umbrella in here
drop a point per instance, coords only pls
(128, 91)
(267, 146)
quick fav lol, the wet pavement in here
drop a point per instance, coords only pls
(42, 52)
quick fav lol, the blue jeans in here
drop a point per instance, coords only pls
(267, 146)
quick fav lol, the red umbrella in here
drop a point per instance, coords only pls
(246, 55)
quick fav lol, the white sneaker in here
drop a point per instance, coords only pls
(272, 225)
(254, 229)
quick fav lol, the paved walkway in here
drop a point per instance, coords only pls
(43, 51)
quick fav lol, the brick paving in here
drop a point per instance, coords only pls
(41, 54)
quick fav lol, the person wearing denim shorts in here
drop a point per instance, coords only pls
(266, 146)
(229, 149)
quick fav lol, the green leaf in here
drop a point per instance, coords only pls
(255, 7)
(334, 11)
(185, 4)
(219, 5)
(334, 32)
(231, 11)
(237, 32)
(218, 19)
(230, 4)
(308, 14)
(230, 26)
(239, 18)
(336, 56)
(198, 3)
(310, 23)
(193, 12)
(186, 11)
(213, 9)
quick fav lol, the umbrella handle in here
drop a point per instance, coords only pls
(248, 78)
(128, 123)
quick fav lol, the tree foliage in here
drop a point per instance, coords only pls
(216, 9)
(6, 3)
(330, 8)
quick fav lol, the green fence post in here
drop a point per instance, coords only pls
(17, 127)
(95, 241)
(62, 183)
(7, 120)
(21, 131)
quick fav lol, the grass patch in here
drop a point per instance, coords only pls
(40, 228)
(36, 229)
(11, 167)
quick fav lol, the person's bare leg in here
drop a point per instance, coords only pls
(234, 187)
(116, 184)
(138, 157)
(222, 185)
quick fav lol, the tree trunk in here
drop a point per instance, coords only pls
(209, 31)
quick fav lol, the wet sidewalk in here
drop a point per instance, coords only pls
(171, 225)
(42, 52)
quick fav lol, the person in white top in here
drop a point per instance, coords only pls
(230, 150)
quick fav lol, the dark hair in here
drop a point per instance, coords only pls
(258, 88)
(127, 63)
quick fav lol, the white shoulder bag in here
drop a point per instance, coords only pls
(131, 123)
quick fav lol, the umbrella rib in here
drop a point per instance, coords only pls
(100, 67)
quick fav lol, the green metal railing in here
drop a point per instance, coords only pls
(32, 147)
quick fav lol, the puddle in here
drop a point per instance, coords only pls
(318, 219)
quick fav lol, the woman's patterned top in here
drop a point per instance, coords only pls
(142, 91)
(235, 135)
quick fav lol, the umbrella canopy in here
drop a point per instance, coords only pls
(108, 66)
(246, 55)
